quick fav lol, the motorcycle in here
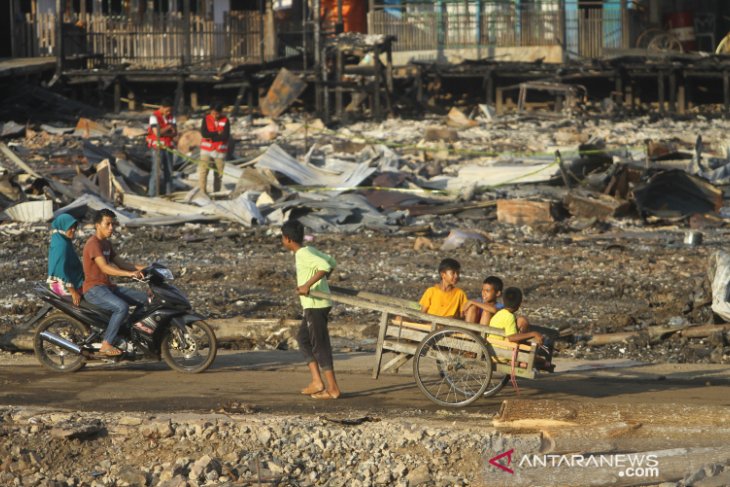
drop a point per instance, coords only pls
(165, 328)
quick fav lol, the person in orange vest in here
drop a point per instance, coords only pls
(216, 131)
(161, 135)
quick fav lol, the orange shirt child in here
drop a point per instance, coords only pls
(445, 299)
(448, 303)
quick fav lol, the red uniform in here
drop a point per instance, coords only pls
(216, 145)
(162, 122)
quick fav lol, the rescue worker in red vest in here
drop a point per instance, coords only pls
(216, 132)
(161, 135)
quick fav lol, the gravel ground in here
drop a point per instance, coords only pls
(590, 281)
(237, 448)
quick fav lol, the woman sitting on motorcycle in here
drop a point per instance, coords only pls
(65, 272)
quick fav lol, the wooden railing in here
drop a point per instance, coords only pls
(589, 31)
(154, 41)
(471, 24)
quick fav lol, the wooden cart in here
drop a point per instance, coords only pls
(454, 362)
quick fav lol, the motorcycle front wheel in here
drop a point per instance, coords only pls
(191, 352)
(55, 357)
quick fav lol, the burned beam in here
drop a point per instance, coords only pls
(726, 91)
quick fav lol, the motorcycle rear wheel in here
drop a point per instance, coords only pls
(196, 354)
(53, 357)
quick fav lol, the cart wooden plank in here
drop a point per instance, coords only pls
(402, 347)
(409, 327)
(406, 312)
(519, 371)
(379, 345)
(397, 362)
(376, 298)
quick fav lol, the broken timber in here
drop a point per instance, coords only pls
(524, 212)
(17, 160)
(658, 332)
(595, 205)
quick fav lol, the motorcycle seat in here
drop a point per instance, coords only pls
(92, 307)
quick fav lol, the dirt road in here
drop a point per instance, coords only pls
(270, 381)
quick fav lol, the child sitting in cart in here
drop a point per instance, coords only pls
(506, 320)
(445, 299)
(481, 310)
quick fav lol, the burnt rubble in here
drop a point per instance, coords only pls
(498, 186)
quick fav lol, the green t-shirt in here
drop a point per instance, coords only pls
(308, 262)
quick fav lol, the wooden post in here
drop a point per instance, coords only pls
(187, 35)
(340, 26)
(499, 101)
(317, 57)
(239, 98)
(376, 94)
(682, 96)
(726, 92)
(673, 92)
(338, 87)
(478, 19)
(489, 87)
(626, 34)
(563, 33)
(194, 99)
(13, 40)
(250, 101)
(389, 86)
(262, 32)
(131, 101)
(59, 38)
(271, 47)
(619, 87)
(180, 93)
(660, 89)
(100, 92)
(117, 95)
(630, 94)
(305, 47)
(325, 88)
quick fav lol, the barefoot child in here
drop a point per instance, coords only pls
(313, 267)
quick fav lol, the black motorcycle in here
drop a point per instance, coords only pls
(164, 328)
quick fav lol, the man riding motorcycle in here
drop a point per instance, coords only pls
(100, 263)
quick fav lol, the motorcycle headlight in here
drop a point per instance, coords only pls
(165, 273)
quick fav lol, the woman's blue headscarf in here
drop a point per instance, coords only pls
(63, 263)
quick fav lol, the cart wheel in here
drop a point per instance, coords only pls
(452, 367)
(498, 381)
(642, 42)
(666, 41)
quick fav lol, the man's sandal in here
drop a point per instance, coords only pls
(110, 352)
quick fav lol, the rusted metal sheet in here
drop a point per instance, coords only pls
(285, 89)
(674, 194)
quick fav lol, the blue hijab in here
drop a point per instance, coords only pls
(63, 263)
